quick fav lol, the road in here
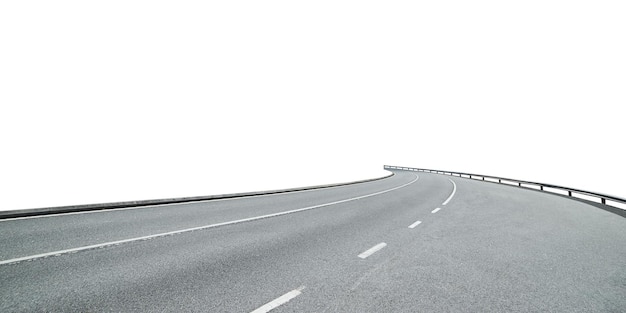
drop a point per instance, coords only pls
(390, 245)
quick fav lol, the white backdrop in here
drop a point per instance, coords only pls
(127, 100)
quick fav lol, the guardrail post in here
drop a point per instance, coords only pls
(569, 193)
(519, 184)
(500, 181)
(541, 188)
(603, 200)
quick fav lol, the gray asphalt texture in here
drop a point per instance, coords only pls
(492, 248)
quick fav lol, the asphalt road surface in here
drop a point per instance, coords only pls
(413, 242)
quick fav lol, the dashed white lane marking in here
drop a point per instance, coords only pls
(176, 232)
(415, 224)
(279, 301)
(372, 250)
(436, 210)
(452, 194)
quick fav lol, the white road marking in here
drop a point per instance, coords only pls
(279, 301)
(452, 194)
(436, 210)
(415, 224)
(176, 232)
(372, 250)
(160, 205)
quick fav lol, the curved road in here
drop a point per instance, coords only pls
(414, 242)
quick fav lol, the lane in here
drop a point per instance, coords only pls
(23, 237)
(491, 248)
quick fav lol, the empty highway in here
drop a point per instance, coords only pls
(412, 242)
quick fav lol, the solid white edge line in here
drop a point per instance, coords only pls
(452, 194)
(175, 232)
(415, 224)
(160, 205)
(372, 250)
(435, 210)
(279, 301)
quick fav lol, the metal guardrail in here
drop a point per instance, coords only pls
(520, 183)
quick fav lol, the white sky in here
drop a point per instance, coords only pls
(126, 100)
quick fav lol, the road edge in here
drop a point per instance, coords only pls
(140, 203)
